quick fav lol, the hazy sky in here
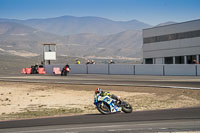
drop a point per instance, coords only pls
(149, 11)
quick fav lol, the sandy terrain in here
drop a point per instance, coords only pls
(18, 98)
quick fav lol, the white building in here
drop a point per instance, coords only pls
(172, 44)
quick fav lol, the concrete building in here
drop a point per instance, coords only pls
(172, 44)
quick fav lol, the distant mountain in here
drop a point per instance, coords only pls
(67, 25)
(10, 28)
(123, 44)
(19, 39)
(14, 36)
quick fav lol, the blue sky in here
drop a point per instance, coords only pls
(149, 11)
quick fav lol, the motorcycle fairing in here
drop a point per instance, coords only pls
(109, 101)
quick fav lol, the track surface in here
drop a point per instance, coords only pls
(173, 120)
(190, 82)
(148, 121)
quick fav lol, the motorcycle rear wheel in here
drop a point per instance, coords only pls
(103, 108)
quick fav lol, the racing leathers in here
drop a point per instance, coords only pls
(106, 93)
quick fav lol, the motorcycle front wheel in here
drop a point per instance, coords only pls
(127, 108)
(103, 108)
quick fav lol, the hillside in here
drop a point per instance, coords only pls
(22, 38)
(17, 38)
(68, 25)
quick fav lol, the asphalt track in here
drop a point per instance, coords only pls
(185, 82)
(146, 121)
(152, 121)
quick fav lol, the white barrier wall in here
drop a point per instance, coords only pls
(97, 68)
(151, 69)
(135, 69)
(198, 70)
(182, 69)
(121, 69)
(78, 69)
(48, 69)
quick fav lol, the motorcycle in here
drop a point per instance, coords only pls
(107, 105)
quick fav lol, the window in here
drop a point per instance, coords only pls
(168, 60)
(179, 60)
(49, 48)
(162, 38)
(52, 48)
(174, 36)
(191, 59)
(149, 61)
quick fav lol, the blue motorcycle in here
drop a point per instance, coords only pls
(107, 105)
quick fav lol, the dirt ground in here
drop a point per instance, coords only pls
(20, 100)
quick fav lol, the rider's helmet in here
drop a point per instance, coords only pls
(97, 90)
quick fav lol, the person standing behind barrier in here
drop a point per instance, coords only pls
(111, 62)
(195, 62)
(93, 62)
(66, 69)
(42, 64)
(34, 69)
(88, 62)
(78, 61)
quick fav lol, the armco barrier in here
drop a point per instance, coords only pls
(49, 68)
(78, 69)
(180, 70)
(97, 68)
(121, 69)
(131, 69)
(148, 69)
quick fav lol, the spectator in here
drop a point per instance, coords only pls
(112, 62)
(93, 62)
(78, 61)
(195, 62)
(88, 62)
(42, 64)
(34, 69)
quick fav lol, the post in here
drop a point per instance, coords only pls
(174, 60)
(185, 59)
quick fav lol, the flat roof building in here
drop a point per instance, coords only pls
(177, 43)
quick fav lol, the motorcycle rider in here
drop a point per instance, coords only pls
(106, 93)
(66, 69)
